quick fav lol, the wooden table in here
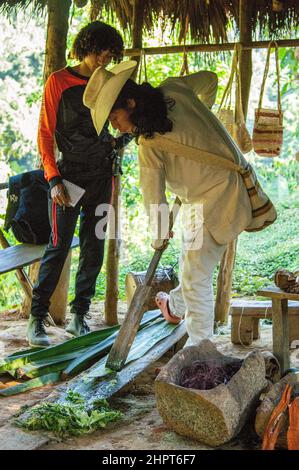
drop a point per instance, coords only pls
(280, 330)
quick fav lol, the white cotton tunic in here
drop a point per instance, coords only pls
(226, 205)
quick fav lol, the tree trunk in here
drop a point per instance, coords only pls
(224, 282)
(57, 29)
(112, 262)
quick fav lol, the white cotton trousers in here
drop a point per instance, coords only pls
(193, 297)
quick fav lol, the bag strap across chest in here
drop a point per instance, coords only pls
(191, 153)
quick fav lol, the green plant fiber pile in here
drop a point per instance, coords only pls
(72, 418)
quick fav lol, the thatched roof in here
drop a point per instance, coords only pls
(205, 20)
(9, 7)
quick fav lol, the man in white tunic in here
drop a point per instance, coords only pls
(180, 110)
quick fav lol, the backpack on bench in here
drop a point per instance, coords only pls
(27, 208)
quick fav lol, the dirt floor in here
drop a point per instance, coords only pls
(141, 426)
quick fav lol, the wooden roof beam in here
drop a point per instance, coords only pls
(208, 47)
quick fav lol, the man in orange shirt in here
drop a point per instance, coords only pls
(86, 160)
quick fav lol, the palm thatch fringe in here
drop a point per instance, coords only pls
(204, 21)
(32, 7)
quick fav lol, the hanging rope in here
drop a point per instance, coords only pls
(226, 100)
(266, 71)
(185, 65)
(142, 62)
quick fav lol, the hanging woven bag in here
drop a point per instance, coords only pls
(268, 125)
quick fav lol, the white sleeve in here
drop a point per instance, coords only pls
(204, 84)
(153, 186)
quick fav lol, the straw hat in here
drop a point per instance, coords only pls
(103, 88)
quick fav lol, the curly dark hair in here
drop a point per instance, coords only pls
(150, 114)
(96, 37)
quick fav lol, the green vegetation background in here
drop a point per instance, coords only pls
(259, 255)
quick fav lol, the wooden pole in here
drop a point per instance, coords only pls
(113, 253)
(57, 28)
(225, 276)
(208, 47)
(245, 60)
(112, 263)
(224, 284)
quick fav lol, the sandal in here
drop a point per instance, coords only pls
(162, 301)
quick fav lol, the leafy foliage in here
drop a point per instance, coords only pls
(72, 418)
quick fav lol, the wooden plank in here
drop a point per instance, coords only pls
(280, 333)
(259, 309)
(22, 255)
(276, 293)
(22, 276)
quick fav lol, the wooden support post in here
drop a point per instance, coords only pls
(57, 29)
(224, 282)
(59, 299)
(112, 263)
(245, 62)
(113, 254)
(280, 332)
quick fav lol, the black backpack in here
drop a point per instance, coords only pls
(27, 208)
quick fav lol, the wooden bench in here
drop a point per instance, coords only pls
(246, 316)
(15, 258)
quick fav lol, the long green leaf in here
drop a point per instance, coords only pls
(81, 362)
(144, 341)
(60, 349)
(34, 383)
(24, 352)
(69, 349)
(33, 372)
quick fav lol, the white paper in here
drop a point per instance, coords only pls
(75, 192)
